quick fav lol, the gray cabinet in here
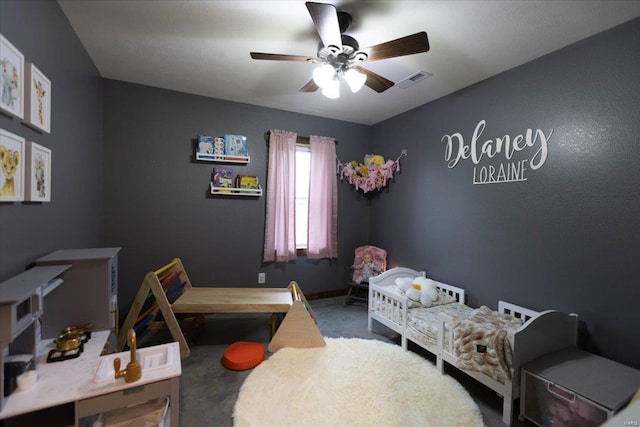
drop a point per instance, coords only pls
(574, 387)
(90, 293)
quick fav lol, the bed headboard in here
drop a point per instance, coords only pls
(389, 278)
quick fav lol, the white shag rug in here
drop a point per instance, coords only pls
(352, 382)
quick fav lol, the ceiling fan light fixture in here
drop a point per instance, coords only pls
(334, 49)
(332, 89)
(360, 57)
(323, 75)
(339, 52)
(355, 79)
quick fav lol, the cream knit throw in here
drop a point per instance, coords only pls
(481, 343)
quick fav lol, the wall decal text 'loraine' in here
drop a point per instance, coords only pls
(507, 171)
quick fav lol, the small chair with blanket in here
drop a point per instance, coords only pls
(369, 261)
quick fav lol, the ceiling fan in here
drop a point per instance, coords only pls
(340, 54)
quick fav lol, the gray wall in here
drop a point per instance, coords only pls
(157, 201)
(74, 217)
(568, 238)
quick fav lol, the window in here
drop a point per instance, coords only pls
(303, 171)
(317, 200)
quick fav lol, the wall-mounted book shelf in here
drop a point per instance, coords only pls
(233, 191)
(221, 158)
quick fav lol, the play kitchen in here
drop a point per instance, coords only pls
(67, 293)
(83, 390)
(54, 352)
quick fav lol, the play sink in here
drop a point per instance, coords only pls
(150, 358)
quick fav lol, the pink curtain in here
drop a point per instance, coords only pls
(279, 233)
(323, 199)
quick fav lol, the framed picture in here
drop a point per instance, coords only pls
(11, 79)
(12, 171)
(38, 178)
(37, 99)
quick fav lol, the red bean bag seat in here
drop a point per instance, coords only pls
(243, 355)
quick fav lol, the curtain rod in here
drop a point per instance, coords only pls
(299, 140)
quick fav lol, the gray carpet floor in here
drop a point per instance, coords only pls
(208, 391)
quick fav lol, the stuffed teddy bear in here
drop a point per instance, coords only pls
(418, 289)
(374, 159)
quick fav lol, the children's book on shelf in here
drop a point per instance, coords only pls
(205, 144)
(222, 177)
(210, 145)
(235, 145)
(247, 181)
(218, 146)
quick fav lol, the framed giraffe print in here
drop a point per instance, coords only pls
(37, 99)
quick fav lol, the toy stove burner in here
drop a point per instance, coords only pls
(59, 356)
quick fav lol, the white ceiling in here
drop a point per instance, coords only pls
(202, 47)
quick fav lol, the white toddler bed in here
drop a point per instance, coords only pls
(520, 334)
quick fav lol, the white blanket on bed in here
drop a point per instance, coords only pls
(481, 342)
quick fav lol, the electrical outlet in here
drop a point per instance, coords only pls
(262, 278)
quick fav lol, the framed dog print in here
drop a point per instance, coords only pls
(38, 178)
(37, 109)
(12, 167)
(12, 79)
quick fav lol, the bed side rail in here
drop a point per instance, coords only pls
(445, 322)
(445, 327)
(391, 306)
(517, 311)
(454, 291)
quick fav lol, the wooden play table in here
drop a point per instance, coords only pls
(233, 300)
(298, 327)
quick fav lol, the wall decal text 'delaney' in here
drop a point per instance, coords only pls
(508, 170)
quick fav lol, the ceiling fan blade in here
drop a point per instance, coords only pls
(375, 81)
(280, 57)
(415, 43)
(311, 86)
(325, 18)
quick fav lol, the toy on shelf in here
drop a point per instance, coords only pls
(371, 175)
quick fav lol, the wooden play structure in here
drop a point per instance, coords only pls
(298, 329)
(169, 291)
